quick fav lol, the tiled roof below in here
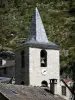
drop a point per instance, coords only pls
(68, 80)
(8, 63)
(19, 92)
(4, 79)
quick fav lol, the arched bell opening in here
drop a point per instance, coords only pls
(43, 55)
(44, 84)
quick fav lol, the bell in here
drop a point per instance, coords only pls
(42, 60)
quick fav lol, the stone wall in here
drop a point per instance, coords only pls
(10, 71)
(22, 74)
(52, 69)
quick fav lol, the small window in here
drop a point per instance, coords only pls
(22, 83)
(22, 59)
(63, 90)
(43, 56)
(44, 84)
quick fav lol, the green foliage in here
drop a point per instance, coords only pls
(58, 17)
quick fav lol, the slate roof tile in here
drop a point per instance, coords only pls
(20, 92)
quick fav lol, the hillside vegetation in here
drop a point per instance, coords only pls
(58, 18)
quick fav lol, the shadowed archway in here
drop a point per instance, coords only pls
(44, 84)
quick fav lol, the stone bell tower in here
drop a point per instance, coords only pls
(37, 60)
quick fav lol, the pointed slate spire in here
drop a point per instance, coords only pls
(37, 36)
(37, 30)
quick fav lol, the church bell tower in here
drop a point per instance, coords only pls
(37, 59)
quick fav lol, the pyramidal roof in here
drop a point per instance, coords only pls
(37, 30)
(37, 34)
